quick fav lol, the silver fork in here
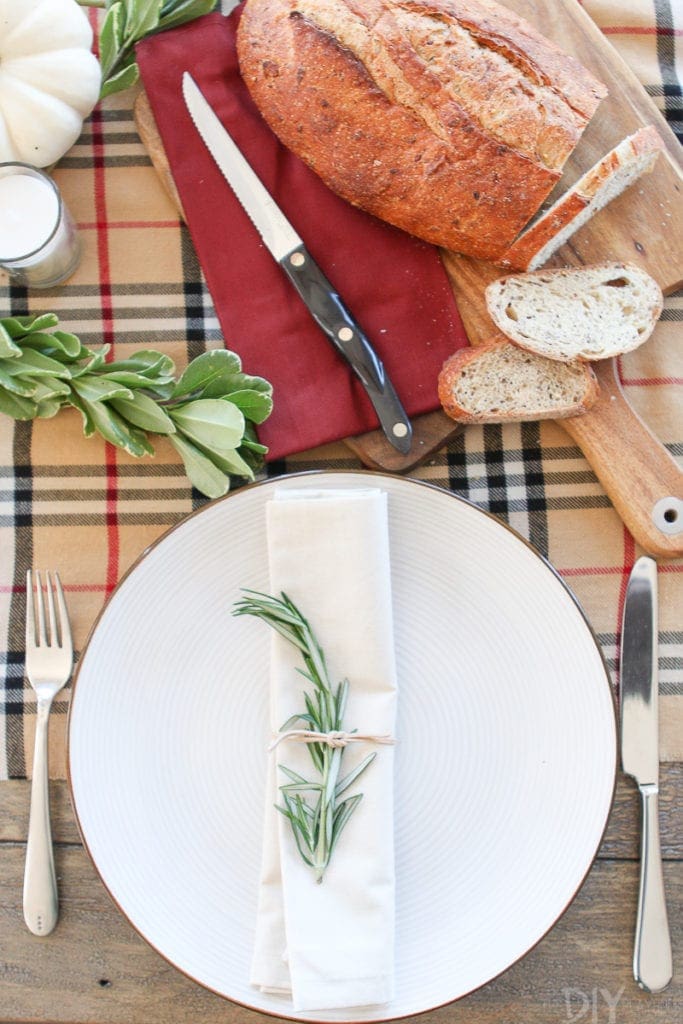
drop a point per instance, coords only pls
(49, 661)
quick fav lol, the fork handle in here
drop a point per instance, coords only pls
(40, 880)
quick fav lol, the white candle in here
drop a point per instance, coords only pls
(38, 241)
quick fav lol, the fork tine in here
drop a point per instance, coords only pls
(30, 614)
(42, 635)
(55, 638)
(64, 624)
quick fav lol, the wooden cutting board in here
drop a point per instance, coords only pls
(644, 226)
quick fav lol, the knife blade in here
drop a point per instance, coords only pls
(289, 250)
(639, 702)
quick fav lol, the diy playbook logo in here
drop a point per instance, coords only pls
(593, 1007)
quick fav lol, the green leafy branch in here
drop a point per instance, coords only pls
(318, 821)
(126, 23)
(208, 413)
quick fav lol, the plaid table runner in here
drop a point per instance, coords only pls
(88, 510)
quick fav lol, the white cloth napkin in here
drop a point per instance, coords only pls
(331, 944)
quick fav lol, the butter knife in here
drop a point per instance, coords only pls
(288, 249)
(652, 961)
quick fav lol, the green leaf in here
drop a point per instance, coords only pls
(142, 17)
(255, 405)
(17, 407)
(213, 423)
(35, 364)
(94, 364)
(8, 350)
(229, 383)
(123, 79)
(186, 10)
(59, 345)
(206, 477)
(17, 385)
(48, 408)
(50, 387)
(16, 326)
(341, 817)
(88, 425)
(114, 428)
(136, 381)
(111, 37)
(229, 461)
(146, 362)
(205, 369)
(70, 344)
(251, 441)
(142, 411)
(99, 389)
(349, 779)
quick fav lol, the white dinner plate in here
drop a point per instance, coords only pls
(505, 763)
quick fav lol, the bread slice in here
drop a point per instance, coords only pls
(498, 382)
(592, 312)
(633, 157)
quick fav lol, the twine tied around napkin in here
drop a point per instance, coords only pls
(328, 550)
(334, 738)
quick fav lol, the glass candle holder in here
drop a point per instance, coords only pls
(39, 245)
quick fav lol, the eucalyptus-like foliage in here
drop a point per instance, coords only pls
(208, 413)
(313, 808)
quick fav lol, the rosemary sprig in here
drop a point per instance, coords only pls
(313, 808)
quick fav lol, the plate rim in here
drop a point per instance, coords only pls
(317, 474)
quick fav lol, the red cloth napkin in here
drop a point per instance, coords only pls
(393, 284)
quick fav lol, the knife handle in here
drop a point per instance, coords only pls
(652, 960)
(330, 314)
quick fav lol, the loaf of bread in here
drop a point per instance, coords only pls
(451, 119)
(592, 312)
(499, 382)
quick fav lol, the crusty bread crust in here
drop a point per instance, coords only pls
(506, 384)
(364, 92)
(536, 243)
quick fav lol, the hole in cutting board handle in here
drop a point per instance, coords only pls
(667, 515)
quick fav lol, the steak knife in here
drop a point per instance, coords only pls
(652, 961)
(288, 249)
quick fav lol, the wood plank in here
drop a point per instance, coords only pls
(95, 968)
(620, 841)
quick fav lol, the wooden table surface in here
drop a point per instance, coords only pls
(94, 967)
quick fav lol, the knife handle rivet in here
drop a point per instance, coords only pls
(297, 259)
(345, 334)
(399, 430)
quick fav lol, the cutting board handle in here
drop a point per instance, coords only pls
(639, 476)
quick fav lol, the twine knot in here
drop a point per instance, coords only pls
(334, 738)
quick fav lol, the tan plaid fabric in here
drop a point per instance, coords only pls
(81, 507)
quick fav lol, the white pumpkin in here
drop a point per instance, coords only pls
(49, 79)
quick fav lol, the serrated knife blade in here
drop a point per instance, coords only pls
(639, 704)
(321, 298)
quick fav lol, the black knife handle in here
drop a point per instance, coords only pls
(329, 312)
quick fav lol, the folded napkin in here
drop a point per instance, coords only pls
(393, 284)
(332, 944)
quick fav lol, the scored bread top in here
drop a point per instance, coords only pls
(450, 118)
